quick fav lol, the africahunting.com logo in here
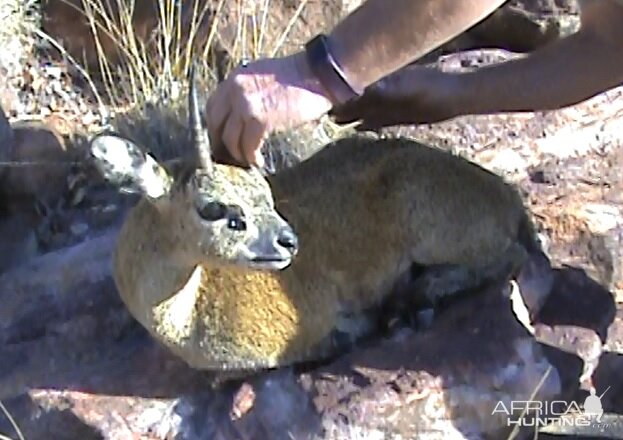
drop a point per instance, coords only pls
(535, 413)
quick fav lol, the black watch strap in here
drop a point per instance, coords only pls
(328, 71)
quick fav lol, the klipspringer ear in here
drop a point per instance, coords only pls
(126, 165)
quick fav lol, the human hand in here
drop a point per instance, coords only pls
(265, 95)
(412, 95)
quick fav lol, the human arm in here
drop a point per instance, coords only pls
(374, 40)
(562, 73)
(566, 72)
(380, 37)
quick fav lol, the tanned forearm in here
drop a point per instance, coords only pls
(382, 36)
(564, 73)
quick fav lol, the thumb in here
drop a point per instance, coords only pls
(259, 158)
(352, 110)
(345, 113)
(357, 108)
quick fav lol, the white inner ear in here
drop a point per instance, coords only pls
(115, 151)
(153, 178)
(126, 159)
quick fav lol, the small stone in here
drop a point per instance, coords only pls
(583, 342)
(508, 162)
(243, 401)
(9, 98)
(79, 229)
(54, 72)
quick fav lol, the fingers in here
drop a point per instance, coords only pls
(367, 109)
(371, 104)
(243, 139)
(216, 112)
(217, 108)
(266, 94)
(347, 112)
(231, 128)
(231, 137)
(251, 140)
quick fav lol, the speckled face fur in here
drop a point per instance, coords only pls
(230, 214)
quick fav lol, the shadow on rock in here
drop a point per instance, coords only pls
(36, 422)
(73, 347)
(455, 380)
(577, 300)
(608, 379)
(64, 327)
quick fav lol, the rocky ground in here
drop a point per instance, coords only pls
(75, 365)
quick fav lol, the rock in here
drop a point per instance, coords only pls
(566, 162)
(40, 165)
(581, 341)
(614, 341)
(578, 300)
(70, 349)
(65, 22)
(610, 427)
(519, 26)
(525, 25)
(9, 99)
(515, 29)
(581, 318)
(14, 34)
(512, 27)
(428, 386)
(506, 162)
(19, 241)
(585, 226)
(49, 287)
(608, 372)
(6, 142)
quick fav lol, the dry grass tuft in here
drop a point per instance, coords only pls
(154, 69)
(147, 71)
(146, 86)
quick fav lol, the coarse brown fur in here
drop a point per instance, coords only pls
(364, 211)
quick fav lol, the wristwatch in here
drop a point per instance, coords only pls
(328, 71)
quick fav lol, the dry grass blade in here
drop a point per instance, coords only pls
(262, 31)
(282, 38)
(13, 423)
(195, 20)
(515, 432)
(151, 67)
(213, 28)
(79, 68)
(141, 55)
